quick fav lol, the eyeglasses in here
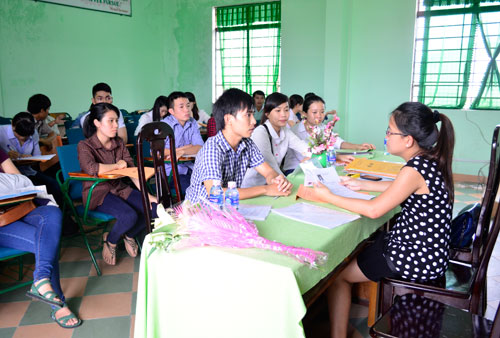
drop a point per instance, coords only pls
(387, 133)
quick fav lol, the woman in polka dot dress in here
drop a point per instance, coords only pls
(417, 246)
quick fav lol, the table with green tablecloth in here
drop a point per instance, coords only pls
(216, 292)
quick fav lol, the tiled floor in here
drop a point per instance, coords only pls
(106, 304)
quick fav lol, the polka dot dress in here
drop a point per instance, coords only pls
(418, 245)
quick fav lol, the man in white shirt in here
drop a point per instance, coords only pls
(101, 92)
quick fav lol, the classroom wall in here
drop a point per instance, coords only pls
(357, 54)
(63, 51)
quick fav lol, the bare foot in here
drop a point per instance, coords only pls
(64, 311)
(108, 251)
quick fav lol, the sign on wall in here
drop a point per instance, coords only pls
(112, 6)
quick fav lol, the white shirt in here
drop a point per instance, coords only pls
(121, 122)
(143, 120)
(293, 158)
(293, 118)
(286, 140)
(203, 116)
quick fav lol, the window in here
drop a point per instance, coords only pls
(247, 48)
(456, 54)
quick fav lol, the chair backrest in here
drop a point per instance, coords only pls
(74, 135)
(68, 159)
(156, 133)
(483, 229)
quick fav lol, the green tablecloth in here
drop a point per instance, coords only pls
(213, 292)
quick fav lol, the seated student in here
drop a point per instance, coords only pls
(230, 153)
(258, 104)
(39, 106)
(21, 140)
(101, 92)
(102, 151)
(417, 247)
(188, 139)
(296, 102)
(199, 115)
(37, 232)
(157, 113)
(273, 138)
(211, 127)
(314, 112)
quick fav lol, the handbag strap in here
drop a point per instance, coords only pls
(272, 149)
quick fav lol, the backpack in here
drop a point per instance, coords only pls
(463, 226)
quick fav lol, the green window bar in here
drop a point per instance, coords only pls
(456, 54)
(248, 46)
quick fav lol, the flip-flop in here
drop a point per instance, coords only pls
(61, 321)
(109, 248)
(131, 246)
(48, 297)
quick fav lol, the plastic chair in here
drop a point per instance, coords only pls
(416, 316)
(464, 285)
(74, 135)
(71, 188)
(155, 133)
(9, 253)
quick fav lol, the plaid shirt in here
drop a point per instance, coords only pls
(218, 161)
(189, 134)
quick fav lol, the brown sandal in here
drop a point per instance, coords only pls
(130, 246)
(108, 251)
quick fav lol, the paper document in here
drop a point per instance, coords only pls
(313, 174)
(18, 194)
(316, 215)
(132, 172)
(42, 158)
(254, 212)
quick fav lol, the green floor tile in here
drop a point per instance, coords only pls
(115, 327)
(134, 302)
(18, 295)
(75, 269)
(109, 284)
(37, 313)
(137, 263)
(7, 332)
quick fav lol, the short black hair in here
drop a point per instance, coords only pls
(258, 92)
(24, 124)
(174, 96)
(308, 95)
(38, 102)
(101, 86)
(295, 99)
(230, 102)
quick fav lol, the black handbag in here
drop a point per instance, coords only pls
(463, 226)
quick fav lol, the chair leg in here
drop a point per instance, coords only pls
(87, 244)
(372, 307)
(385, 298)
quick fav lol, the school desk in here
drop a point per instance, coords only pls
(215, 292)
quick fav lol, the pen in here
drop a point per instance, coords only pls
(276, 197)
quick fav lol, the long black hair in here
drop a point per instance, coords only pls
(272, 101)
(161, 101)
(192, 100)
(419, 121)
(97, 112)
(310, 100)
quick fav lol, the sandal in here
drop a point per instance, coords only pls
(48, 297)
(130, 246)
(62, 321)
(108, 250)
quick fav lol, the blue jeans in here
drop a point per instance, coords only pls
(129, 214)
(38, 232)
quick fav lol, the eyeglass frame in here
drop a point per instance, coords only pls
(387, 133)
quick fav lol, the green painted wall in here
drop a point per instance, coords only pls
(63, 51)
(357, 54)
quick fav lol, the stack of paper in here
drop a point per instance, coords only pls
(316, 215)
(379, 168)
(254, 212)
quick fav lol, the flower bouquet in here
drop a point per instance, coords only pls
(204, 224)
(322, 138)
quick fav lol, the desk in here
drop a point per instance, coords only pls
(214, 292)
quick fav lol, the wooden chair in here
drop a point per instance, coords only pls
(416, 316)
(71, 187)
(156, 133)
(464, 285)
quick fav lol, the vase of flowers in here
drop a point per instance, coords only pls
(321, 139)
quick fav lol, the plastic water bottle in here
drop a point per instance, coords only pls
(331, 158)
(232, 195)
(385, 147)
(216, 194)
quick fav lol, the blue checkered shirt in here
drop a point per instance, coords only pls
(216, 160)
(189, 134)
